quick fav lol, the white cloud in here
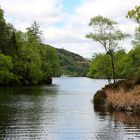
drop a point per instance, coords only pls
(71, 36)
(45, 12)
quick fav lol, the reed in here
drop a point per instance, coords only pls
(123, 100)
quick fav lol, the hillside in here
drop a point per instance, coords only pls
(72, 64)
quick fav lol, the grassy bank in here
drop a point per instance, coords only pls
(123, 96)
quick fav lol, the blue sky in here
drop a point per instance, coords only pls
(70, 5)
(65, 22)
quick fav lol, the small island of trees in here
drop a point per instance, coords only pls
(116, 63)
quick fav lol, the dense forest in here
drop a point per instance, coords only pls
(23, 57)
(126, 64)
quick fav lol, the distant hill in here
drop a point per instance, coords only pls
(72, 64)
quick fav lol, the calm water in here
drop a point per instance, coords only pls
(63, 111)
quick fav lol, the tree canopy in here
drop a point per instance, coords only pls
(127, 64)
(106, 33)
(24, 59)
(134, 14)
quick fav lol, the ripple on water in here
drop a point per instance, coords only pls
(62, 111)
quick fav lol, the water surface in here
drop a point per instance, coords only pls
(63, 111)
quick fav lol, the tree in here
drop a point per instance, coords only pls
(34, 33)
(134, 61)
(106, 33)
(120, 62)
(99, 68)
(6, 75)
(50, 61)
(134, 14)
(23, 57)
(7, 42)
(136, 41)
(4, 34)
(28, 65)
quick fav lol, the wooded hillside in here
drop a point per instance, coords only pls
(72, 64)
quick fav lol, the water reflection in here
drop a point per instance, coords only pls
(22, 112)
(62, 111)
(120, 125)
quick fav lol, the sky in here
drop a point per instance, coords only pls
(65, 22)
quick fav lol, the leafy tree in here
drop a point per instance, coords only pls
(6, 75)
(101, 67)
(50, 61)
(134, 14)
(126, 64)
(7, 42)
(120, 62)
(106, 33)
(136, 41)
(23, 57)
(34, 33)
(28, 67)
(4, 34)
(133, 65)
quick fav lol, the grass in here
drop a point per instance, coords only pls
(125, 98)
(121, 100)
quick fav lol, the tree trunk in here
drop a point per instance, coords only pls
(113, 68)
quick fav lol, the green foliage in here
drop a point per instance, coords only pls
(4, 33)
(72, 64)
(6, 75)
(23, 58)
(134, 61)
(100, 67)
(6, 36)
(106, 33)
(126, 64)
(50, 61)
(120, 62)
(34, 33)
(28, 66)
(136, 41)
(134, 14)
(36, 63)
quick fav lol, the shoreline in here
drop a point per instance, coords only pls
(48, 81)
(125, 97)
